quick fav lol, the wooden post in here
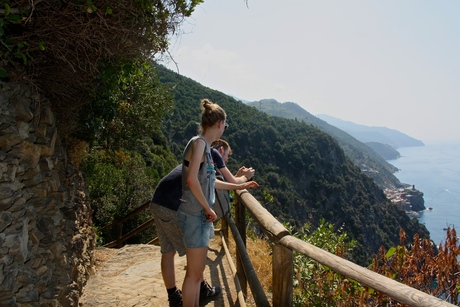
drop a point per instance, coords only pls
(248, 270)
(224, 227)
(240, 218)
(283, 274)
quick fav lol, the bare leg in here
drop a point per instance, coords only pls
(196, 262)
(167, 270)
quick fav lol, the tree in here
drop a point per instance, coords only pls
(59, 45)
(127, 107)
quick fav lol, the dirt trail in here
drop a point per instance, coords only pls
(131, 276)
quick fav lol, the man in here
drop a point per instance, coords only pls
(223, 148)
(164, 205)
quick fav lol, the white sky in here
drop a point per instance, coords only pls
(389, 63)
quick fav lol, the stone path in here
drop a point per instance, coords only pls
(131, 276)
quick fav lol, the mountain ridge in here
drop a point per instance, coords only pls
(363, 133)
(368, 160)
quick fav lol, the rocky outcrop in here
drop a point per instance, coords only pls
(46, 236)
(415, 199)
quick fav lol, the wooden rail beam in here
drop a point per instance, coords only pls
(262, 216)
(400, 292)
(118, 241)
(128, 216)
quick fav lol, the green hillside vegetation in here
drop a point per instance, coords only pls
(304, 174)
(371, 163)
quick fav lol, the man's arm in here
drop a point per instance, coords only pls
(240, 178)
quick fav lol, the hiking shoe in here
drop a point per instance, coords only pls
(208, 293)
(175, 299)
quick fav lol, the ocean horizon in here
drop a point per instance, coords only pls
(434, 169)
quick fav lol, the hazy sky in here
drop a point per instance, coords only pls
(389, 63)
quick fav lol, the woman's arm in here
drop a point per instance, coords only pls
(222, 185)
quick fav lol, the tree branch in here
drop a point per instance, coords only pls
(17, 10)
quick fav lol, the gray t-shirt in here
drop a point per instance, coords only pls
(206, 176)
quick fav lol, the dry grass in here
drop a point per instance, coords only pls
(261, 255)
(259, 251)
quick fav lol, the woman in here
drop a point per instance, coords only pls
(195, 214)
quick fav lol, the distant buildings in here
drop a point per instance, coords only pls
(409, 198)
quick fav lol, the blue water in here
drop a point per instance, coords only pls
(435, 171)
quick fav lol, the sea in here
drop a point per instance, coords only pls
(434, 169)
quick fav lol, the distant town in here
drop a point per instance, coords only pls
(408, 198)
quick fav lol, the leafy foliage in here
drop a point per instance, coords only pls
(89, 59)
(118, 182)
(128, 153)
(421, 267)
(315, 284)
(418, 266)
(129, 104)
(59, 45)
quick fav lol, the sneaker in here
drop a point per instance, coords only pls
(175, 299)
(208, 293)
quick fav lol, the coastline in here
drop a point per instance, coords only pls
(407, 198)
(435, 170)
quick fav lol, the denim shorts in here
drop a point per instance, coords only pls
(195, 228)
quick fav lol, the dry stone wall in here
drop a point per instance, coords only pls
(46, 239)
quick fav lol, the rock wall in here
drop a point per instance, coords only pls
(46, 238)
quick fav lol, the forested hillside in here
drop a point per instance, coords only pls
(371, 163)
(303, 173)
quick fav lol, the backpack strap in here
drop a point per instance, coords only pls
(192, 140)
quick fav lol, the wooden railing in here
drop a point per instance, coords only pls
(118, 225)
(283, 244)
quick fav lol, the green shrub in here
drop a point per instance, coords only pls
(315, 284)
(118, 183)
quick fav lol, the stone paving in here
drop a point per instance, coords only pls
(131, 276)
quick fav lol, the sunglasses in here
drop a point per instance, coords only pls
(225, 124)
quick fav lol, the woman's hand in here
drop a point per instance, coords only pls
(248, 185)
(210, 215)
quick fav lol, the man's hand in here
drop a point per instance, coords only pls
(246, 172)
